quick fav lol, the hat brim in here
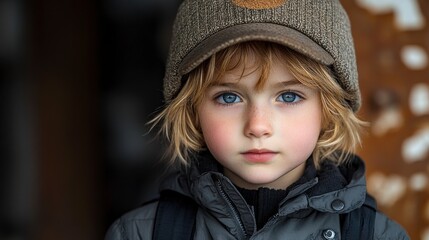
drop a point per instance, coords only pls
(270, 32)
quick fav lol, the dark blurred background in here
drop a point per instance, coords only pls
(79, 80)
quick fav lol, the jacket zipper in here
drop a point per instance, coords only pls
(232, 207)
(271, 220)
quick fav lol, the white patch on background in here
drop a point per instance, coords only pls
(407, 12)
(419, 99)
(414, 57)
(389, 118)
(418, 181)
(387, 190)
(375, 182)
(416, 147)
(425, 234)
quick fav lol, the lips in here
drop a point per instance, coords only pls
(259, 155)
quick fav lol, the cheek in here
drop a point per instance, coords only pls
(217, 131)
(308, 133)
(303, 131)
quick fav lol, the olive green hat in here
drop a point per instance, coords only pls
(319, 29)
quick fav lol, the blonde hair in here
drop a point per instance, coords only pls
(179, 121)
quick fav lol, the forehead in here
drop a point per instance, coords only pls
(237, 62)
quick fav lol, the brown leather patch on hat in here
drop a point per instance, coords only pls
(259, 4)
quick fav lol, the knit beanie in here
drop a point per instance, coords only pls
(318, 29)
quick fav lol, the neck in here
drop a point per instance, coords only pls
(282, 182)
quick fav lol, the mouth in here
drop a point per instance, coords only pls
(259, 155)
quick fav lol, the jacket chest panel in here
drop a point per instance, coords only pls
(313, 226)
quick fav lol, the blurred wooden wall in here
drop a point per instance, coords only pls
(392, 45)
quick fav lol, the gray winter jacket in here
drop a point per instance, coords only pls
(310, 208)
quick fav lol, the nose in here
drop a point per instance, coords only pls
(258, 123)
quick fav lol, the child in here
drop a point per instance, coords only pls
(260, 110)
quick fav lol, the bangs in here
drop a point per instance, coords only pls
(259, 57)
(253, 56)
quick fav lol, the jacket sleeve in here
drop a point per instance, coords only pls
(386, 228)
(116, 231)
(135, 225)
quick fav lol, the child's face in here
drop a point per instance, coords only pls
(262, 138)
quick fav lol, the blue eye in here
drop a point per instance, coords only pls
(289, 97)
(228, 98)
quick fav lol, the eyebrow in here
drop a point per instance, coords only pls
(224, 84)
(288, 83)
(279, 84)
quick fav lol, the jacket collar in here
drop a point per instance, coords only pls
(335, 189)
